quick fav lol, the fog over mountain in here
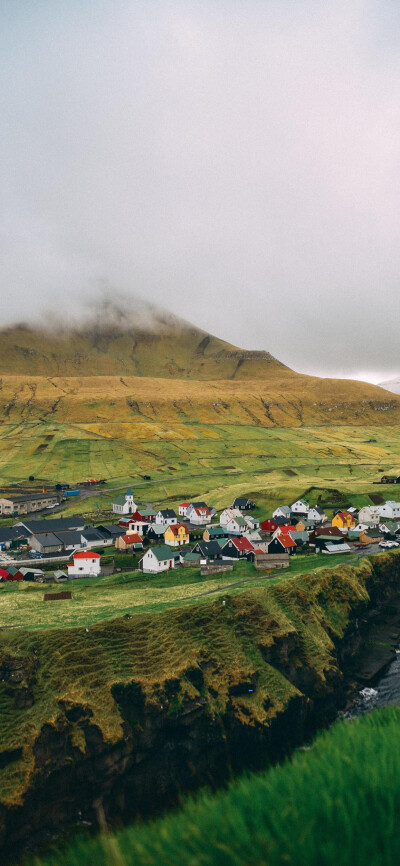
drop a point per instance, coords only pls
(234, 163)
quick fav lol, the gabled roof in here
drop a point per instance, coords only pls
(167, 512)
(175, 528)
(162, 552)
(286, 541)
(184, 504)
(119, 500)
(48, 539)
(52, 525)
(86, 554)
(239, 520)
(242, 544)
(132, 538)
(284, 530)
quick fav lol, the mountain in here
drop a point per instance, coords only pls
(392, 385)
(166, 348)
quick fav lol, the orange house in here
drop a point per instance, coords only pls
(176, 535)
(343, 520)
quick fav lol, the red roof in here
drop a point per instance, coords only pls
(242, 544)
(175, 526)
(283, 530)
(3, 572)
(204, 510)
(86, 554)
(132, 538)
(184, 504)
(286, 541)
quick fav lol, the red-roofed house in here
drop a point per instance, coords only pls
(130, 541)
(86, 564)
(238, 548)
(176, 535)
(182, 508)
(282, 544)
(285, 530)
(199, 515)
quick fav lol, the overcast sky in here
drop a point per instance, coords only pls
(237, 161)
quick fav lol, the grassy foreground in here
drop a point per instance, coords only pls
(335, 804)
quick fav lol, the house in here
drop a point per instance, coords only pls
(111, 530)
(71, 540)
(160, 558)
(46, 542)
(371, 536)
(285, 530)
(166, 517)
(300, 537)
(212, 532)
(130, 541)
(237, 525)
(388, 479)
(317, 514)
(282, 544)
(26, 503)
(269, 525)
(388, 527)
(155, 532)
(243, 503)
(93, 537)
(301, 506)
(190, 559)
(176, 535)
(182, 508)
(209, 550)
(125, 504)
(144, 514)
(369, 514)
(198, 514)
(86, 564)
(252, 522)
(282, 511)
(344, 520)
(237, 548)
(390, 509)
(325, 532)
(227, 514)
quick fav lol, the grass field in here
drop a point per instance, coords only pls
(154, 631)
(97, 599)
(337, 803)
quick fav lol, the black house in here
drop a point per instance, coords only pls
(243, 504)
(208, 549)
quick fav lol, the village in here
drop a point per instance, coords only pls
(197, 536)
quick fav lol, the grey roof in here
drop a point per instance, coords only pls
(338, 548)
(167, 512)
(48, 539)
(156, 529)
(110, 530)
(10, 533)
(92, 534)
(52, 525)
(72, 537)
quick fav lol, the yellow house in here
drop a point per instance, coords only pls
(176, 535)
(343, 520)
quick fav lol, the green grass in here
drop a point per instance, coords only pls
(80, 664)
(97, 599)
(335, 805)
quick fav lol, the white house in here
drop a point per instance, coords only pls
(390, 509)
(252, 522)
(125, 504)
(369, 514)
(227, 514)
(237, 524)
(282, 511)
(316, 513)
(158, 559)
(166, 517)
(182, 508)
(86, 564)
(199, 515)
(300, 507)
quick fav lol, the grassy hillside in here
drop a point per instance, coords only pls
(169, 349)
(335, 804)
(48, 671)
